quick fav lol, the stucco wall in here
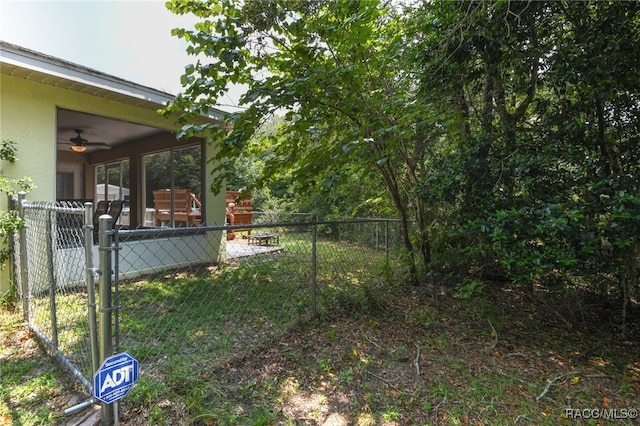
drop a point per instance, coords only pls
(28, 117)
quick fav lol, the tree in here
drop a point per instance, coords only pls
(336, 68)
(508, 130)
(538, 164)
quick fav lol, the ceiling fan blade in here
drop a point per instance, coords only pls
(78, 140)
(98, 145)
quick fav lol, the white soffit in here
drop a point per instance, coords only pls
(19, 62)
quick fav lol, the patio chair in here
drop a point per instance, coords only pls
(101, 208)
(112, 208)
(115, 208)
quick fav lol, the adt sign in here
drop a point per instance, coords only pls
(115, 377)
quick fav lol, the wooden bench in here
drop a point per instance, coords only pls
(264, 239)
(239, 212)
(181, 210)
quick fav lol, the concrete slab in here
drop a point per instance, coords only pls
(240, 248)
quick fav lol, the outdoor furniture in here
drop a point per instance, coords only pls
(112, 208)
(177, 207)
(264, 239)
(196, 211)
(239, 212)
(101, 208)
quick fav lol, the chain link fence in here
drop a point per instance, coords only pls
(51, 276)
(183, 301)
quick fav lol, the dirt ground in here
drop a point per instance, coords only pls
(417, 356)
(427, 356)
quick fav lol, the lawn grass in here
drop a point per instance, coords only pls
(34, 390)
(197, 320)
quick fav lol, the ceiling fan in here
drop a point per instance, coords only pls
(80, 144)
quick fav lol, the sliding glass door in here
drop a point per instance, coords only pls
(113, 183)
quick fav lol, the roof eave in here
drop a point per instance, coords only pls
(58, 72)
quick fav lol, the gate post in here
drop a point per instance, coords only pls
(106, 342)
(51, 235)
(91, 287)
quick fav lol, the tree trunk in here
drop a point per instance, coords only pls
(629, 280)
(607, 151)
(423, 223)
(401, 206)
(406, 238)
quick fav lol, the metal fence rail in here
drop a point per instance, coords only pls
(185, 300)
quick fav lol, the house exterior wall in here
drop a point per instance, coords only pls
(28, 117)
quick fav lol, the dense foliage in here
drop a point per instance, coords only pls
(539, 165)
(508, 131)
(327, 65)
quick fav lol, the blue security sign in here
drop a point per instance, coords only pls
(115, 377)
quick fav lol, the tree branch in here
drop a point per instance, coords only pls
(554, 382)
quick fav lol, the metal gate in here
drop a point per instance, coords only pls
(54, 277)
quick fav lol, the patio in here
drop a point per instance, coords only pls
(239, 248)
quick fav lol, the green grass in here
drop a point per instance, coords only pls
(187, 324)
(32, 385)
(207, 314)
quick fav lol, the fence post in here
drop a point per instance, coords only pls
(314, 268)
(24, 276)
(386, 238)
(104, 247)
(91, 286)
(12, 203)
(52, 278)
(116, 288)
